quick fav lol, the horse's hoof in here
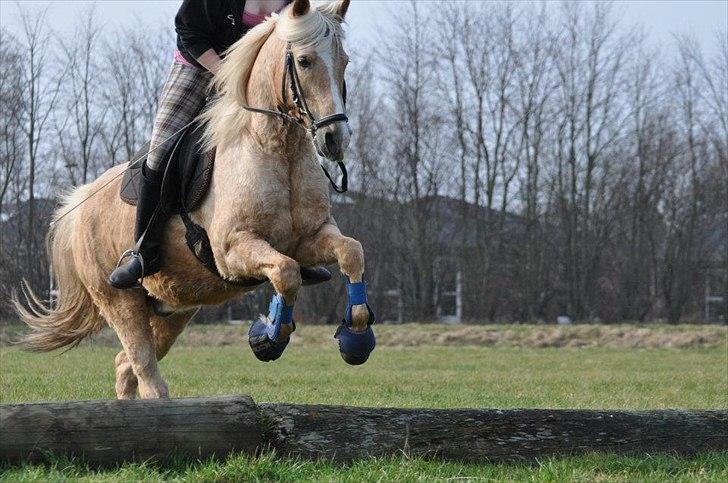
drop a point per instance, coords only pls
(355, 347)
(265, 348)
(264, 335)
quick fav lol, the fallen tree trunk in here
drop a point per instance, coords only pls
(117, 431)
(496, 435)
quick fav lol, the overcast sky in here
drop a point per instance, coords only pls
(660, 18)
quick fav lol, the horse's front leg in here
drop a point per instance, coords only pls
(328, 245)
(252, 257)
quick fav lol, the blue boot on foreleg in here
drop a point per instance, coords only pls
(264, 336)
(355, 347)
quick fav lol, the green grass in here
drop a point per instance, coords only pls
(424, 376)
(595, 467)
(438, 377)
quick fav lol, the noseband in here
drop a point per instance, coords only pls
(292, 82)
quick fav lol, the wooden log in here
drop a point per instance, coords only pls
(107, 432)
(117, 431)
(343, 433)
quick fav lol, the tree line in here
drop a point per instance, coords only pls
(546, 154)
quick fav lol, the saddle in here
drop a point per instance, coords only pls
(186, 178)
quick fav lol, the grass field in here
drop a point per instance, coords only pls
(445, 369)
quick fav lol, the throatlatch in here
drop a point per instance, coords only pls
(355, 347)
(264, 337)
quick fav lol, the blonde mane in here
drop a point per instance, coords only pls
(225, 118)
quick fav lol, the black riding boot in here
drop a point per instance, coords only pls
(147, 259)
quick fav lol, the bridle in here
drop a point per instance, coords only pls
(292, 82)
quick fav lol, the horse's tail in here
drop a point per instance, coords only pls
(74, 315)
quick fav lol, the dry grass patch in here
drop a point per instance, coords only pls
(622, 336)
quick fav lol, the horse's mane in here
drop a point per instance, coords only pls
(224, 118)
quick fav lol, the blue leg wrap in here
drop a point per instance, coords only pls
(263, 337)
(355, 347)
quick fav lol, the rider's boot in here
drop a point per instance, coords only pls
(146, 260)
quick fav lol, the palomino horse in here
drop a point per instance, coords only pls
(267, 212)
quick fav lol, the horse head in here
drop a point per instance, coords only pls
(291, 66)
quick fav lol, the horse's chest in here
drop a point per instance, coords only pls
(285, 205)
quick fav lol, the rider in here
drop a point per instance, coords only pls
(205, 29)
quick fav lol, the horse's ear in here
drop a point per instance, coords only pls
(300, 7)
(342, 8)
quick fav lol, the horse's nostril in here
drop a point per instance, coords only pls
(331, 144)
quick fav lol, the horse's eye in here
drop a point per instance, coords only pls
(304, 62)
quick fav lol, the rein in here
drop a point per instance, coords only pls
(294, 84)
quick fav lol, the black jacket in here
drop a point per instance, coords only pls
(208, 24)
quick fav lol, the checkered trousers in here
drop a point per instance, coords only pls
(182, 98)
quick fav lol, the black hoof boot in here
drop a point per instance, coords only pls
(313, 276)
(264, 335)
(355, 347)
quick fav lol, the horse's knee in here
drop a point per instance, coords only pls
(286, 278)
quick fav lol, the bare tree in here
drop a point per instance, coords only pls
(80, 123)
(416, 168)
(10, 114)
(40, 94)
(590, 66)
(136, 65)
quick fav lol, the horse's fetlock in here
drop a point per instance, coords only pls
(154, 390)
(351, 259)
(359, 317)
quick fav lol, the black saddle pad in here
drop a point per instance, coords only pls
(187, 178)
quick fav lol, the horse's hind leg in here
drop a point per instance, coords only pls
(127, 313)
(126, 380)
(165, 330)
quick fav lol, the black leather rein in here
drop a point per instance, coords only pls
(294, 84)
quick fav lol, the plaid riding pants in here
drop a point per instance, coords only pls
(182, 99)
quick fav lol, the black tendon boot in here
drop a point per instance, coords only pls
(146, 260)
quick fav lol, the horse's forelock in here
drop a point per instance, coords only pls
(319, 24)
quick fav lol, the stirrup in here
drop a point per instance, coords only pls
(133, 254)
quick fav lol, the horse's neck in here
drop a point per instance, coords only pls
(276, 138)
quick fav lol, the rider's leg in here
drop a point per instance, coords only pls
(182, 98)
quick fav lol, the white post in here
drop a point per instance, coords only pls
(459, 296)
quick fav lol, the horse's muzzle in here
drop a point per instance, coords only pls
(333, 140)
